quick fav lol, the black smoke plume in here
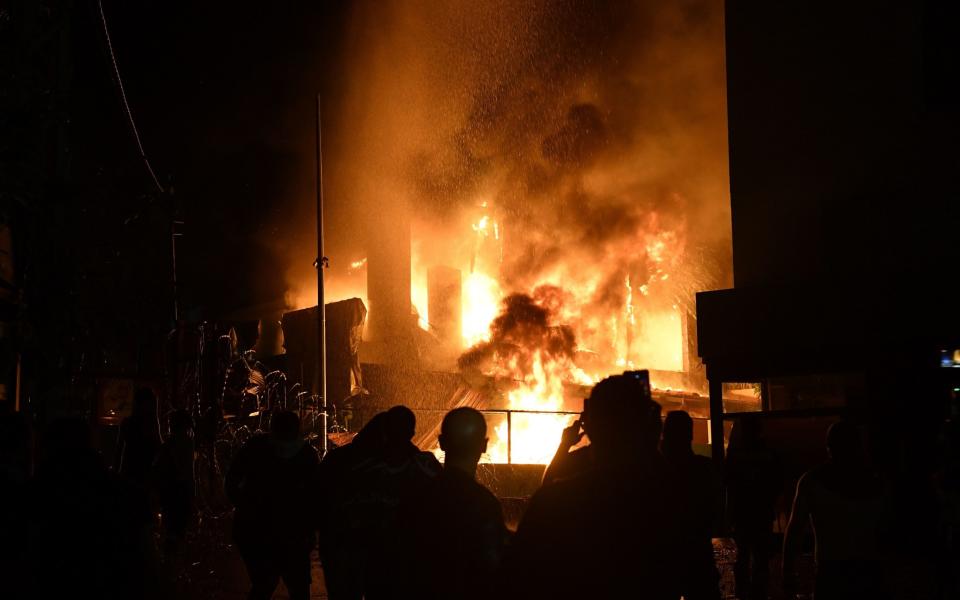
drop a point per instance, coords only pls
(526, 326)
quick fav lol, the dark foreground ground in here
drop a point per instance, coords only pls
(211, 569)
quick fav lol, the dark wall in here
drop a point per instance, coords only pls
(842, 125)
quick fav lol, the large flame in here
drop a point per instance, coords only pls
(532, 438)
(532, 356)
(481, 299)
(637, 323)
(642, 329)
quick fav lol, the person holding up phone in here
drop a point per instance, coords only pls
(566, 464)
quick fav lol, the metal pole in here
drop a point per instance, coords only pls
(716, 420)
(321, 307)
(174, 234)
(509, 437)
(16, 393)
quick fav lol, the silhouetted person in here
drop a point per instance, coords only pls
(399, 427)
(754, 484)
(615, 531)
(139, 439)
(90, 532)
(455, 529)
(340, 517)
(844, 502)
(949, 487)
(361, 487)
(174, 479)
(700, 484)
(15, 468)
(912, 532)
(566, 463)
(269, 483)
(402, 472)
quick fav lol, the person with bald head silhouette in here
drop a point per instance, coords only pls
(463, 439)
(456, 527)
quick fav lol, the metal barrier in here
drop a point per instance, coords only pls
(510, 412)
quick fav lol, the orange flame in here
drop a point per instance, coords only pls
(481, 300)
(532, 437)
(644, 333)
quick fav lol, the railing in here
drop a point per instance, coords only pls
(510, 412)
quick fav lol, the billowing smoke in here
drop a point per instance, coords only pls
(526, 326)
(592, 132)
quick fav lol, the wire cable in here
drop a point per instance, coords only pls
(123, 97)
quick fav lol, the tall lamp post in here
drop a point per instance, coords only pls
(321, 263)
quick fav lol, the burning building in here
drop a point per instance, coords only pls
(543, 191)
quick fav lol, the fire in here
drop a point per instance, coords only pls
(481, 290)
(636, 323)
(554, 160)
(418, 287)
(533, 437)
(531, 356)
(481, 301)
(340, 284)
(481, 226)
(600, 327)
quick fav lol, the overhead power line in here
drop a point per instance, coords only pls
(123, 97)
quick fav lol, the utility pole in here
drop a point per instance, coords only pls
(175, 225)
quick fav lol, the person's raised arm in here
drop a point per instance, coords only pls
(796, 527)
(570, 437)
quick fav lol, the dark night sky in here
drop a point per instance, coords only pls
(223, 99)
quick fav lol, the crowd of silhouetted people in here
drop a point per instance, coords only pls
(634, 513)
